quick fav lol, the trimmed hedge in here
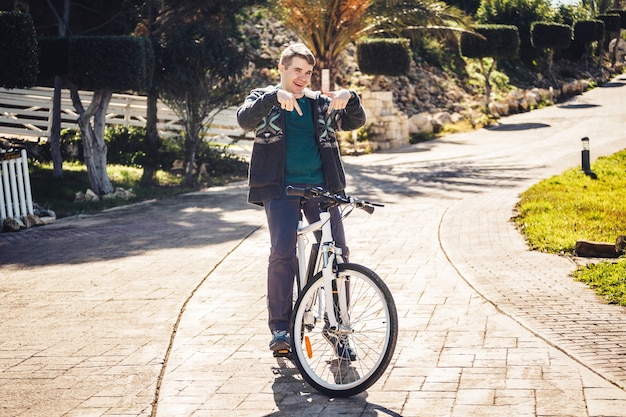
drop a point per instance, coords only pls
(612, 22)
(118, 63)
(390, 57)
(18, 50)
(544, 35)
(499, 41)
(588, 30)
(622, 16)
(53, 57)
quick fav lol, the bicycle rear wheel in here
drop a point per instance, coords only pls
(371, 333)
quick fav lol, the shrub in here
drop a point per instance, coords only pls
(113, 62)
(622, 17)
(519, 13)
(125, 145)
(612, 22)
(53, 58)
(496, 41)
(551, 35)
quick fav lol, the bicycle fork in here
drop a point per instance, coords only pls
(335, 291)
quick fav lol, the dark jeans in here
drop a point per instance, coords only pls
(282, 219)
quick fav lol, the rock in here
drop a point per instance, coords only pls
(444, 118)
(42, 212)
(420, 123)
(498, 108)
(11, 225)
(27, 221)
(120, 193)
(532, 97)
(89, 195)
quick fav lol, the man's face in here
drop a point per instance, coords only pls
(296, 76)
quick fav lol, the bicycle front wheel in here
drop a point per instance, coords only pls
(349, 360)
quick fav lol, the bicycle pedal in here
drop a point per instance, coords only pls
(283, 353)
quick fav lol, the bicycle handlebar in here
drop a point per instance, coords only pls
(331, 199)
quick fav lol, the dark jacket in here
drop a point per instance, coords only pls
(261, 112)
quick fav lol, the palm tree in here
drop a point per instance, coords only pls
(327, 27)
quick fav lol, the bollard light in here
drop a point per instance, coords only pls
(586, 166)
(585, 142)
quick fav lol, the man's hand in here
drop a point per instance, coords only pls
(288, 101)
(339, 101)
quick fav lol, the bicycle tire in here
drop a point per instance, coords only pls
(373, 333)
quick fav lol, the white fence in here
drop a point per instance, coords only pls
(15, 195)
(28, 113)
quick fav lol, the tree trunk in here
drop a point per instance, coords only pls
(55, 130)
(487, 75)
(192, 150)
(95, 150)
(151, 162)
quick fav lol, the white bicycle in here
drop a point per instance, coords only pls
(344, 324)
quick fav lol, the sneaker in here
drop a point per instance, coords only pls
(340, 345)
(280, 340)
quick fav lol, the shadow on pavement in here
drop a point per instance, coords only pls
(578, 106)
(517, 126)
(612, 84)
(294, 397)
(186, 221)
(444, 178)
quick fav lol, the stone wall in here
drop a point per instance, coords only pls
(388, 126)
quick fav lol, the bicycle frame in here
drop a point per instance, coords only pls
(323, 257)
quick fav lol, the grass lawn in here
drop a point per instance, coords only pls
(558, 211)
(59, 194)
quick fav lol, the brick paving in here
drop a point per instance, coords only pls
(159, 309)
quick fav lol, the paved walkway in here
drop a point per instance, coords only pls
(159, 309)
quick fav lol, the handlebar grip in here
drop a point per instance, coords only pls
(291, 190)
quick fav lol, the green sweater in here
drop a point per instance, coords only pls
(303, 163)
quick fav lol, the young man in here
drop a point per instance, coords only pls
(295, 144)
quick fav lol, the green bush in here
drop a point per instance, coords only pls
(218, 161)
(500, 82)
(567, 14)
(18, 50)
(125, 145)
(384, 56)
